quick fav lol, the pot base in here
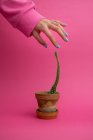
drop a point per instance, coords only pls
(47, 115)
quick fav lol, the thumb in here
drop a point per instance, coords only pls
(39, 39)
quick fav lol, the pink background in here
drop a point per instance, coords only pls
(27, 67)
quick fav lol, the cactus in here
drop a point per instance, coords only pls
(53, 89)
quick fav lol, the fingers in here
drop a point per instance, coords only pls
(39, 39)
(45, 26)
(59, 22)
(66, 34)
(60, 31)
(50, 36)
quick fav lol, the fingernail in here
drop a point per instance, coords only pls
(66, 33)
(66, 39)
(58, 46)
(46, 46)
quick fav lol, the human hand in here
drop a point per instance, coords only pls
(44, 26)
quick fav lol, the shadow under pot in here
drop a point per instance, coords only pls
(47, 105)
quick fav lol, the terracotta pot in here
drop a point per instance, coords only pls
(47, 105)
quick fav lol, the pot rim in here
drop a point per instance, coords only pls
(45, 93)
(46, 96)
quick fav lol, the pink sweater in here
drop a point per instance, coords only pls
(21, 14)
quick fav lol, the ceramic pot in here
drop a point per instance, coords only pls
(47, 105)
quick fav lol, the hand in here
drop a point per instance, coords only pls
(44, 26)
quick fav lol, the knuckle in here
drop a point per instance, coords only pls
(41, 25)
(50, 25)
(58, 24)
(43, 28)
(57, 28)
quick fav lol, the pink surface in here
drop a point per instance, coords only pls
(27, 67)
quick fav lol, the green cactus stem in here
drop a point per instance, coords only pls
(53, 89)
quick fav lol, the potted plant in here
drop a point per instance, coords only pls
(47, 100)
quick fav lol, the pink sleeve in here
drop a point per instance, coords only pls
(21, 14)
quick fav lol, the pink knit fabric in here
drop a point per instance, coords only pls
(21, 14)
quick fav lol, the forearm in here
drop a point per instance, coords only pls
(21, 14)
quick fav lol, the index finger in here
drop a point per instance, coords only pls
(50, 36)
